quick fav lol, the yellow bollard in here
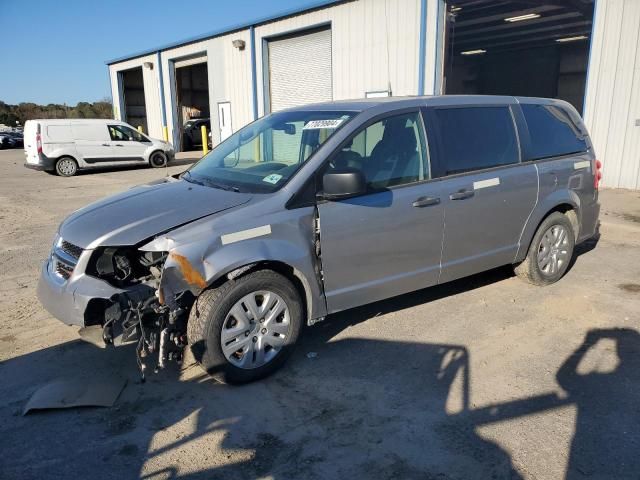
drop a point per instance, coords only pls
(165, 133)
(140, 128)
(205, 143)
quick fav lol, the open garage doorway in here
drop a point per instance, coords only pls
(134, 108)
(192, 102)
(518, 47)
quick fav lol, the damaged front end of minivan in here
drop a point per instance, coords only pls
(156, 290)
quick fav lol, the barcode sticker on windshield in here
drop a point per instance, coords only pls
(316, 124)
(273, 178)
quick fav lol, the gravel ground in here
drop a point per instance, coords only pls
(486, 377)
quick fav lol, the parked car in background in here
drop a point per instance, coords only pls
(7, 141)
(192, 134)
(344, 204)
(17, 138)
(65, 146)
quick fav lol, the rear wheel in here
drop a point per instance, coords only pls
(245, 329)
(158, 159)
(550, 252)
(66, 167)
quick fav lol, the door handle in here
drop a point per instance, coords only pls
(462, 194)
(105, 144)
(119, 145)
(426, 202)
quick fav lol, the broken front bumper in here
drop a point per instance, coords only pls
(69, 300)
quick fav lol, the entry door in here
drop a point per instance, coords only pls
(488, 195)
(224, 119)
(389, 241)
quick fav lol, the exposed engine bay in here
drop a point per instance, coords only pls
(144, 314)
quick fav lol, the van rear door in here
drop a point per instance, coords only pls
(32, 142)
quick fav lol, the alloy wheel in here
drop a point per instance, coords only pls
(553, 251)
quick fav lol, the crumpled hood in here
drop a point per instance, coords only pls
(144, 211)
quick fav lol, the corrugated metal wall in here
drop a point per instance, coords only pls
(237, 79)
(612, 108)
(374, 43)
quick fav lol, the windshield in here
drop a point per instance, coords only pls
(261, 157)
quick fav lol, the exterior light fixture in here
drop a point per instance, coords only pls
(148, 65)
(521, 18)
(239, 44)
(479, 51)
(571, 39)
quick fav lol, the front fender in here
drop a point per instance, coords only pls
(195, 267)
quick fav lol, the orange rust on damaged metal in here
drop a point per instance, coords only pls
(191, 275)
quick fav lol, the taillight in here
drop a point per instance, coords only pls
(597, 175)
(38, 143)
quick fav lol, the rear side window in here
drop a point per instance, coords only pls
(552, 132)
(473, 138)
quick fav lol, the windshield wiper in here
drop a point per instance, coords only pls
(228, 188)
(208, 183)
(190, 178)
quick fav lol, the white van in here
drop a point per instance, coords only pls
(64, 146)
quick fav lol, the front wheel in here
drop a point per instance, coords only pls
(550, 252)
(158, 159)
(245, 329)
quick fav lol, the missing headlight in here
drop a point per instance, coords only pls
(114, 264)
(122, 266)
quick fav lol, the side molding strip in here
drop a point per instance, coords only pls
(245, 234)
(489, 182)
(579, 165)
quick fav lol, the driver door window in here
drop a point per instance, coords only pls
(120, 133)
(127, 144)
(390, 152)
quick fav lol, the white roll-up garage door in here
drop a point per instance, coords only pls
(300, 70)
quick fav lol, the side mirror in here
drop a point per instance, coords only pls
(344, 183)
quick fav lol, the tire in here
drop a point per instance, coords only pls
(211, 320)
(158, 159)
(66, 167)
(545, 242)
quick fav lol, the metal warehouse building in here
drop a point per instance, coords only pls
(584, 51)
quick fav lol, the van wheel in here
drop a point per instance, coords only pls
(550, 252)
(158, 159)
(66, 167)
(245, 329)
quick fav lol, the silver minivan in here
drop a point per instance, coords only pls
(322, 208)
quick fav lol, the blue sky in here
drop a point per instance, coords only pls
(54, 51)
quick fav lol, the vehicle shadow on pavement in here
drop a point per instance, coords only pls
(361, 408)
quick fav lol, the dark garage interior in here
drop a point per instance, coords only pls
(526, 48)
(192, 88)
(135, 111)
